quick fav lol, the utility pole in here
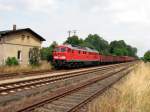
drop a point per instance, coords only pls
(74, 31)
(69, 32)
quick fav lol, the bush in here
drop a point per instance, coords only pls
(34, 56)
(12, 61)
(147, 56)
(47, 52)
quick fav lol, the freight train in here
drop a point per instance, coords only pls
(76, 56)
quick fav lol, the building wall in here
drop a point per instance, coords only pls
(1, 54)
(23, 38)
(18, 42)
(12, 51)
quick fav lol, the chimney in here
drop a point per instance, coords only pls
(14, 27)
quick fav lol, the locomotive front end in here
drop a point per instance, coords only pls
(59, 56)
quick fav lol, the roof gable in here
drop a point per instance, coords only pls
(4, 33)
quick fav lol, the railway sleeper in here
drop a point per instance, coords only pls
(62, 103)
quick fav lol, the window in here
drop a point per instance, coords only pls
(69, 50)
(63, 49)
(23, 37)
(30, 54)
(72, 51)
(0, 39)
(28, 37)
(57, 50)
(19, 55)
(79, 52)
(84, 52)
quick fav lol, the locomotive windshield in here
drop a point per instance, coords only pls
(63, 49)
(58, 49)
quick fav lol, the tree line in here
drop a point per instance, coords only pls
(116, 48)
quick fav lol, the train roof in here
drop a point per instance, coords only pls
(75, 47)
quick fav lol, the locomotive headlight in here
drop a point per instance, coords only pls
(62, 57)
(56, 57)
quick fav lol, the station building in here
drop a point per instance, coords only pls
(17, 43)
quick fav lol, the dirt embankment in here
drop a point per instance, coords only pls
(132, 94)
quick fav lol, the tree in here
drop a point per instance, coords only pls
(92, 41)
(34, 56)
(53, 45)
(147, 56)
(98, 43)
(87, 44)
(120, 52)
(46, 52)
(132, 51)
(120, 48)
(74, 40)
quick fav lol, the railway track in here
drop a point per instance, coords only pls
(71, 98)
(12, 87)
(4, 76)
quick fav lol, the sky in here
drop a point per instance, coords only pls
(127, 20)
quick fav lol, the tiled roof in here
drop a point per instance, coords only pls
(6, 32)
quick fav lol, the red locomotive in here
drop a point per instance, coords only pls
(76, 56)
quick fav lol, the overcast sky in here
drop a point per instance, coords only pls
(127, 20)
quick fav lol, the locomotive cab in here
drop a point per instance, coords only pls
(60, 56)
